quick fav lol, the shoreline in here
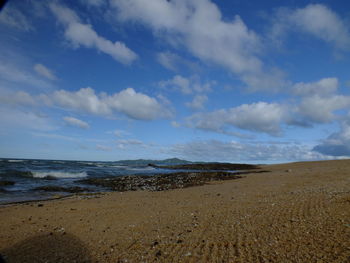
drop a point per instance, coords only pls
(145, 182)
(295, 212)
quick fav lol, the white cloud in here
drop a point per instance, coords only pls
(122, 144)
(94, 3)
(120, 133)
(44, 71)
(258, 117)
(129, 102)
(175, 124)
(319, 109)
(174, 62)
(24, 119)
(315, 19)
(214, 150)
(199, 26)
(84, 100)
(187, 85)
(80, 34)
(135, 105)
(316, 103)
(12, 73)
(168, 60)
(323, 87)
(179, 82)
(18, 98)
(198, 102)
(319, 100)
(76, 122)
(103, 148)
(338, 143)
(13, 17)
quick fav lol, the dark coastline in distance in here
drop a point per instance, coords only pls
(208, 166)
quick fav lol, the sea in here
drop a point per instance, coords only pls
(27, 175)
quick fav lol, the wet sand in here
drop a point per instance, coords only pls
(298, 212)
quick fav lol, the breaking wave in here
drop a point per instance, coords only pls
(58, 175)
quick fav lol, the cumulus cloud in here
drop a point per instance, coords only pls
(174, 62)
(24, 119)
(338, 143)
(323, 87)
(168, 60)
(187, 85)
(14, 74)
(44, 71)
(129, 102)
(80, 34)
(214, 150)
(198, 102)
(199, 26)
(84, 100)
(18, 98)
(317, 109)
(71, 121)
(258, 117)
(179, 82)
(93, 3)
(315, 19)
(13, 17)
(133, 104)
(319, 100)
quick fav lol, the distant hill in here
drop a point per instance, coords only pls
(208, 166)
(171, 161)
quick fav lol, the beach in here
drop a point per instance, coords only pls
(295, 212)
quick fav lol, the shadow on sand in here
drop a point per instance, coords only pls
(52, 247)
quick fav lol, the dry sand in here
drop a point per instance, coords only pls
(298, 212)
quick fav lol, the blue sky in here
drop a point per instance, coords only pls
(238, 81)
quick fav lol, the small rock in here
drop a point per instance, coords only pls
(40, 205)
(155, 243)
(159, 253)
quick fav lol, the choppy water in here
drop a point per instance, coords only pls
(30, 174)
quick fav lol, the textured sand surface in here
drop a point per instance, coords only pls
(298, 212)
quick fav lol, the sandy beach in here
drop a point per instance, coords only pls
(297, 212)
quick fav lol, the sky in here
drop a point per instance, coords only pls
(203, 80)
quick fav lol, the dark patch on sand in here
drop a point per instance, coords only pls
(161, 182)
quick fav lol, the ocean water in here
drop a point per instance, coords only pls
(30, 174)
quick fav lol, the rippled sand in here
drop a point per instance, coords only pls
(298, 212)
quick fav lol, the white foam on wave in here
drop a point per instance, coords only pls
(58, 174)
(15, 161)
